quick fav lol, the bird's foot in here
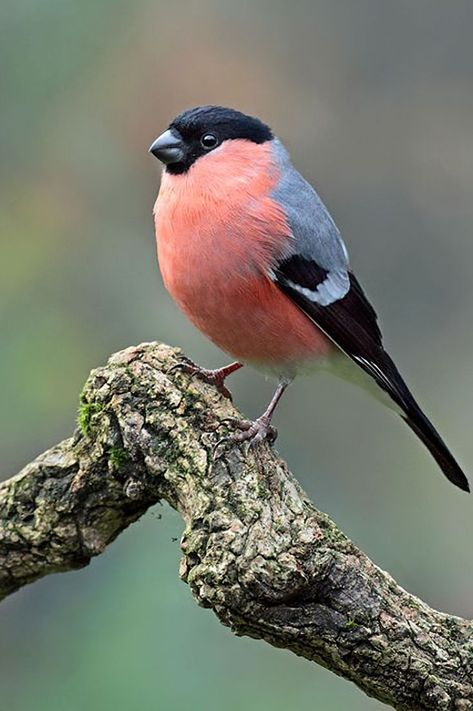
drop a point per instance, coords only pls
(212, 377)
(247, 431)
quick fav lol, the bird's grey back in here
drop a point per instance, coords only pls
(315, 234)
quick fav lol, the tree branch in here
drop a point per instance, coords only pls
(255, 549)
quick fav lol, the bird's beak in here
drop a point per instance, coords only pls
(168, 147)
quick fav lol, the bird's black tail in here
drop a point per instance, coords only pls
(390, 380)
(427, 433)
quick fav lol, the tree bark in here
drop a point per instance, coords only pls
(255, 549)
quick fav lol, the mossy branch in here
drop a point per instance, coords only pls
(255, 549)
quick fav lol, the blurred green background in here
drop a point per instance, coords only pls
(375, 101)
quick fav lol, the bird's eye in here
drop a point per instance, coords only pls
(208, 141)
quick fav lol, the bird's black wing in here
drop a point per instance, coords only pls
(351, 323)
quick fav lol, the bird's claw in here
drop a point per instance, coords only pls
(211, 377)
(256, 432)
(250, 432)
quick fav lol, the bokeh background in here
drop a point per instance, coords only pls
(375, 101)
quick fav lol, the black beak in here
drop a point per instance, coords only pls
(168, 147)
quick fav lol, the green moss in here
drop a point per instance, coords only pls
(169, 449)
(84, 417)
(333, 535)
(131, 374)
(117, 458)
(192, 398)
(412, 602)
(351, 624)
(262, 488)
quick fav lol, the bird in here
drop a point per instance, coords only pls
(251, 255)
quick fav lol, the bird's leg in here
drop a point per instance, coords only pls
(261, 428)
(213, 377)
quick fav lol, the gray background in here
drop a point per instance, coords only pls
(374, 100)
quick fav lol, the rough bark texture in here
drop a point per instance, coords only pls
(255, 549)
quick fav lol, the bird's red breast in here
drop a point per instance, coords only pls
(219, 232)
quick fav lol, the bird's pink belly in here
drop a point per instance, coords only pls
(254, 322)
(214, 248)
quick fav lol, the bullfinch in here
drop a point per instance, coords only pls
(249, 252)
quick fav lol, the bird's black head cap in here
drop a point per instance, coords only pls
(202, 129)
